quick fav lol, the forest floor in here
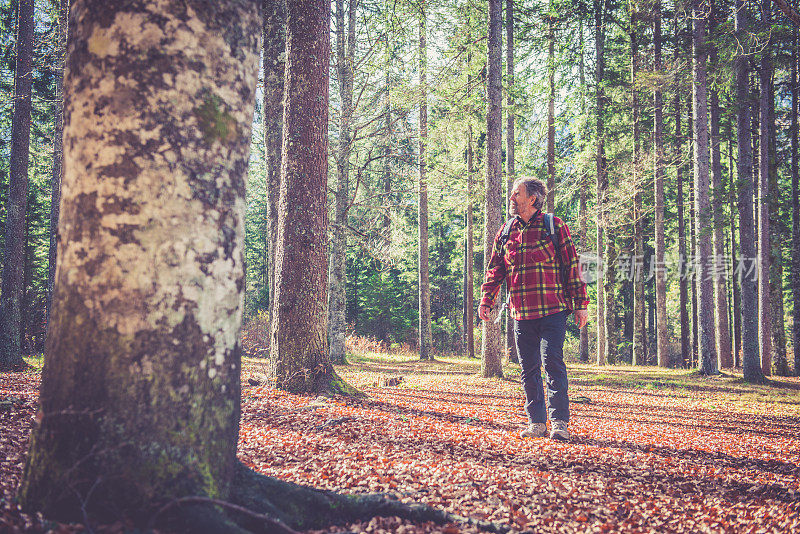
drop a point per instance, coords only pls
(653, 450)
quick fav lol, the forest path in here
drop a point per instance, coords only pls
(653, 450)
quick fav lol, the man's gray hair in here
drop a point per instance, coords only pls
(534, 187)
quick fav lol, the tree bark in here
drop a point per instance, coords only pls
(764, 244)
(299, 359)
(744, 171)
(425, 333)
(511, 346)
(601, 178)
(345, 59)
(683, 283)
(491, 344)
(468, 289)
(583, 239)
(736, 288)
(706, 349)
(693, 236)
(639, 356)
(140, 389)
(274, 29)
(12, 293)
(58, 153)
(662, 354)
(551, 111)
(387, 141)
(721, 324)
(795, 207)
(780, 363)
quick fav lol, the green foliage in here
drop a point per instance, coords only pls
(45, 70)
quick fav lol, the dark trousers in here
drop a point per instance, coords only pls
(537, 340)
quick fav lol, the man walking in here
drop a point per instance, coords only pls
(545, 285)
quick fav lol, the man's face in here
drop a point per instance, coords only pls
(520, 202)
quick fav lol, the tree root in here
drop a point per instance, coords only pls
(263, 504)
(332, 384)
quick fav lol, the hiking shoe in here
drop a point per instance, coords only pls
(535, 430)
(559, 430)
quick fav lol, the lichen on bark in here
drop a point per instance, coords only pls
(140, 390)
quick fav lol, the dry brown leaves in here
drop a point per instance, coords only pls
(639, 461)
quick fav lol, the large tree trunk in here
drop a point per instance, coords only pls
(299, 358)
(511, 346)
(721, 324)
(345, 59)
(140, 389)
(274, 71)
(658, 186)
(491, 344)
(58, 153)
(744, 171)
(425, 332)
(551, 111)
(795, 208)
(706, 350)
(639, 333)
(11, 295)
(601, 176)
(764, 245)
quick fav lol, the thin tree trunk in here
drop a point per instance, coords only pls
(582, 213)
(683, 282)
(780, 363)
(425, 333)
(720, 297)
(345, 59)
(764, 301)
(692, 231)
(706, 349)
(601, 179)
(610, 293)
(733, 194)
(639, 333)
(12, 294)
(58, 152)
(744, 172)
(129, 418)
(299, 359)
(491, 344)
(274, 64)
(468, 290)
(795, 208)
(511, 346)
(387, 142)
(658, 173)
(551, 111)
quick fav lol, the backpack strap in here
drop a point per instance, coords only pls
(550, 229)
(506, 231)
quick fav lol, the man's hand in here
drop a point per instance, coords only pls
(581, 318)
(484, 312)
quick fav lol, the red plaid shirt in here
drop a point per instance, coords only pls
(532, 272)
